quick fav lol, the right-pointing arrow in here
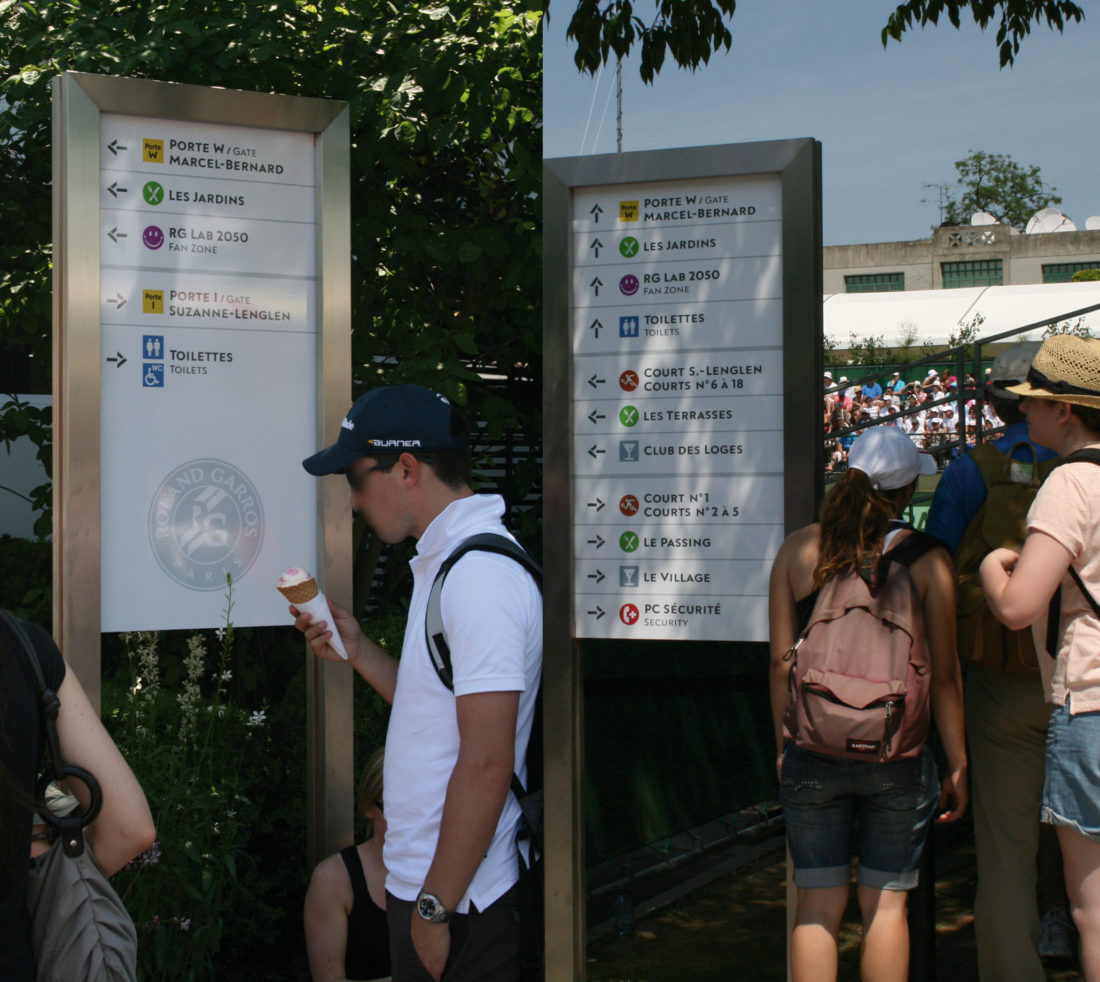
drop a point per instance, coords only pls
(597, 613)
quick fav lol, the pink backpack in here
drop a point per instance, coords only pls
(862, 672)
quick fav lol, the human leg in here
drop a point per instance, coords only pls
(1081, 858)
(1006, 730)
(814, 951)
(884, 955)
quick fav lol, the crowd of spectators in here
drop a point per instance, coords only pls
(927, 409)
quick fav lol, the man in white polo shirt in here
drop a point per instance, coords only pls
(450, 849)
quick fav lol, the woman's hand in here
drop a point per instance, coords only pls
(954, 795)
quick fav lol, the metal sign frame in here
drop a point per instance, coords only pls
(79, 100)
(798, 166)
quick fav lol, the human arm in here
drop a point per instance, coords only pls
(325, 916)
(782, 633)
(376, 667)
(1018, 586)
(476, 794)
(124, 827)
(935, 578)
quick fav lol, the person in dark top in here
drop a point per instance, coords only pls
(347, 934)
(124, 828)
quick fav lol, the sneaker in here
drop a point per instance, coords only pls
(1057, 938)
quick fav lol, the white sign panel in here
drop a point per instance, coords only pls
(677, 327)
(208, 383)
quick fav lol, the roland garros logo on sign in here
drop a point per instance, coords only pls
(205, 521)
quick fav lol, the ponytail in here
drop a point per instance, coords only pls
(854, 520)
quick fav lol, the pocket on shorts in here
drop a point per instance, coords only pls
(802, 780)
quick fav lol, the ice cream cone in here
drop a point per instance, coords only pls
(299, 593)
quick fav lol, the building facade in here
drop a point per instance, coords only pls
(960, 256)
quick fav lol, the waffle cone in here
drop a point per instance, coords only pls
(300, 592)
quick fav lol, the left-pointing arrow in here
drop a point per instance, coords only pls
(116, 190)
(114, 235)
(118, 358)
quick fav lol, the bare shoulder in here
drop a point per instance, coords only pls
(801, 545)
(329, 883)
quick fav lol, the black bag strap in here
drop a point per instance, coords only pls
(1054, 611)
(70, 827)
(911, 548)
(440, 651)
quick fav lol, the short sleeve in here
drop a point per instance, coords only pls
(49, 657)
(492, 614)
(1062, 508)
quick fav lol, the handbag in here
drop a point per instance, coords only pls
(80, 929)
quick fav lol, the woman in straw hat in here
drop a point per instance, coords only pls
(896, 801)
(1062, 406)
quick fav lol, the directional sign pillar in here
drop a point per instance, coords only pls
(682, 295)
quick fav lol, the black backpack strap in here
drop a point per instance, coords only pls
(434, 634)
(1054, 611)
(70, 827)
(911, 548)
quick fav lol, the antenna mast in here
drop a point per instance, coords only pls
(619, 106)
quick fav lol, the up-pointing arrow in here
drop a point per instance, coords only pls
(595, 212)
(596, 284)
(596, 246)
(596, 327)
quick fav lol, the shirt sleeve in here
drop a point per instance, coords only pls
(1062, 508)
(958, 500)
(492, 613)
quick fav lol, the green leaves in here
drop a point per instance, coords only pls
(1016, 17)
(995, 183)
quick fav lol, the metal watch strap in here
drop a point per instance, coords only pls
(430, 908)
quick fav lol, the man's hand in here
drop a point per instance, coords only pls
(432, 943)
(318, 632)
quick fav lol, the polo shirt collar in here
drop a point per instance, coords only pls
(462, 518)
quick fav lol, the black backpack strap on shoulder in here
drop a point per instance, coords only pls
(435, 636)
(71, 826)
(1054, 611)
(911, 548)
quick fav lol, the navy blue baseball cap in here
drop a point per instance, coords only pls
(397, 419)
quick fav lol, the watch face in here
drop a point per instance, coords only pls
(426, 907)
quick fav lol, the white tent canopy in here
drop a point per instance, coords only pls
(932, 315)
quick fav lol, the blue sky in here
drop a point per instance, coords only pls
(889, 120)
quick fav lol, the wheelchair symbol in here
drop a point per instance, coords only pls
(152, 375)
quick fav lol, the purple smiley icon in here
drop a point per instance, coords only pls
(153, 237)
(629, 285)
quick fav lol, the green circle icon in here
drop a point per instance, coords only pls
(153, 193)
(628, 541)
(629, 247)
(628, 415)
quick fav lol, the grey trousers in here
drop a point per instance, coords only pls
(1006, 723)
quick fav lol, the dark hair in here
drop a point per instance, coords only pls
(1089, 416)
(854, 520)
(454, 468)
(14, 799)
(1007, 409)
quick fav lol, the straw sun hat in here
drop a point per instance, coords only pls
(1067, 369)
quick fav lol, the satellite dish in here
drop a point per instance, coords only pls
(1049, 220)
(983, 218)
(1092, 223)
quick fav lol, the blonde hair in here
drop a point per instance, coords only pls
(369, 791)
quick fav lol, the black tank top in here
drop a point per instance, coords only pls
(368, 952)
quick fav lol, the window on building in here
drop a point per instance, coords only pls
(979, 272)
(874, 282)
(1063, 272)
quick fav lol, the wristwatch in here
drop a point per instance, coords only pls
(431, 908)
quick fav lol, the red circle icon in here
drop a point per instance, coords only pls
(628, 504)
(628, 614)
(628, 381)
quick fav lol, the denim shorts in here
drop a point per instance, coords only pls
(1071, 776)
(826, 798)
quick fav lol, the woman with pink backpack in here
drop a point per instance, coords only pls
(862, 616)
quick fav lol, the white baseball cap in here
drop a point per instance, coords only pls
(889, 459)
